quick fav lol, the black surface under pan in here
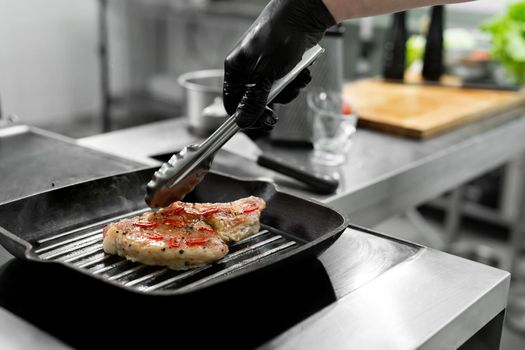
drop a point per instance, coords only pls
(65, 226)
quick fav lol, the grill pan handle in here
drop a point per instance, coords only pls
(16, 245)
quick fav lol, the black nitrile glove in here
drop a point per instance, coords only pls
(270, 48)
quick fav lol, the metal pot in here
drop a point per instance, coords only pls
(203, 94)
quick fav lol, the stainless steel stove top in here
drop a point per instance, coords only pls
(33, 160)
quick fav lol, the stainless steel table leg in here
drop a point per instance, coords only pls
(516, 305)
(437, 238)
(512, 188)
(453, 217)
(433, 237)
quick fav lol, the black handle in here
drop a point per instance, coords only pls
(433, 55)
(322, 184)
(394, 51)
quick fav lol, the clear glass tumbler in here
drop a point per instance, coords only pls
(334, 125)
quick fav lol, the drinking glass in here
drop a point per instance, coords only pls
(334, 125)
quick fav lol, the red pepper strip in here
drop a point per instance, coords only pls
(196, 241)
(207, 230)
(174, 242)
(177, 223)
(346, 109)
(250, 210)
(145, 224)
(209, 212)
(153, 236)
(175, 211)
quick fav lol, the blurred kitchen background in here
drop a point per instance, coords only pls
(81, 68)
(51, 63)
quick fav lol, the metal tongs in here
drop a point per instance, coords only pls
(187, 168)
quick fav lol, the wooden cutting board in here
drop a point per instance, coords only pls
(422, 111)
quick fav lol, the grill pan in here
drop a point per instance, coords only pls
(64, 226)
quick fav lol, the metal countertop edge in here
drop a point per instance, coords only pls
(342, 326)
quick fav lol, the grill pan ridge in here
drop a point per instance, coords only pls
(65, 226)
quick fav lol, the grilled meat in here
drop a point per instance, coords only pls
(184, 235)
(232, 221)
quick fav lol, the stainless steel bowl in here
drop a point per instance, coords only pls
(202, 89)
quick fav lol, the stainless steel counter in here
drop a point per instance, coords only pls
(384, 175)
(34, 160)
(430, 301)
(366, 291)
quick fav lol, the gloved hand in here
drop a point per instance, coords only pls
(270, 48)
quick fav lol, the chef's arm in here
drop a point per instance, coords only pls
(346, 9)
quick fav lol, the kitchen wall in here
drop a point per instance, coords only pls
(48, 66)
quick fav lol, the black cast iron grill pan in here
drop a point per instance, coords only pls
(64, 226)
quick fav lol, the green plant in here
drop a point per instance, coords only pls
(454, 39)
(508, 40)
